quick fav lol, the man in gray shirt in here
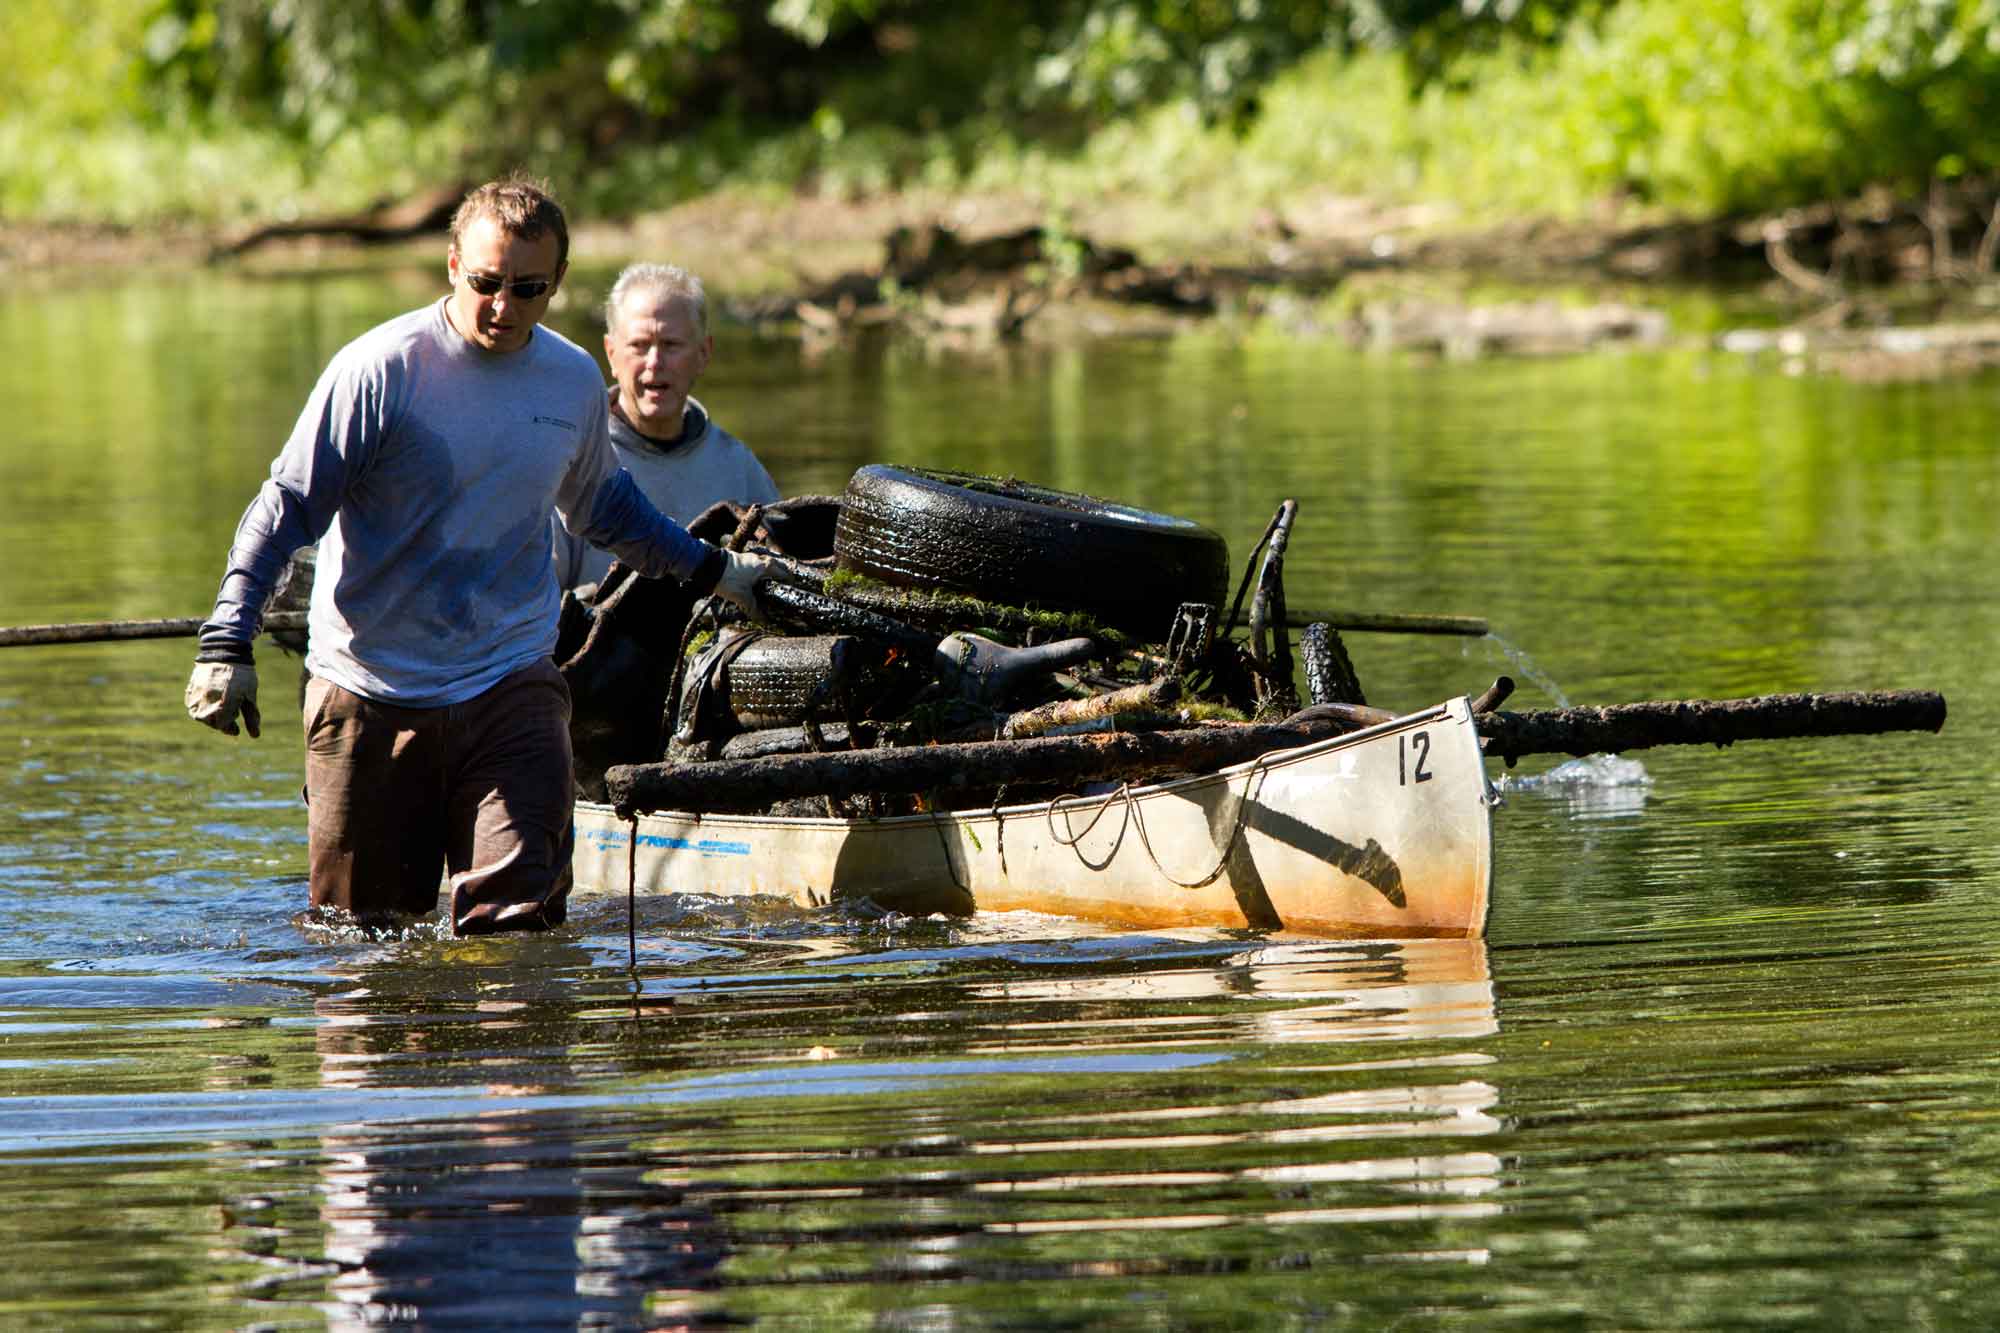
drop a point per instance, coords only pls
(658, 343)
(425, 465)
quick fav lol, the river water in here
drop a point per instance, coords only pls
(1726, 1058)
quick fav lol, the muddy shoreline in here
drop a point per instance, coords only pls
(765, 245)
(978, 269)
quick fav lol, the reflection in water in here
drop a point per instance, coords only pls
(1370, 990)
(1747, 1070)
(1354, 992)
(1036, 1108)
(1749, 1057)
(497, 1218)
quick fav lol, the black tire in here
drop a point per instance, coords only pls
(1020, 544)
(776, 677)
(1330, 677)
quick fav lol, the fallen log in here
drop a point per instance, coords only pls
(428, 211)
(970, 766)
(813, 612)
(756, 783)
(1719, 722)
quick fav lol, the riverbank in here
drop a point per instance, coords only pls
(995, 266)
(764, 241)
(1873, 288)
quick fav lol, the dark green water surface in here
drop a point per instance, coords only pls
(1728, 1057)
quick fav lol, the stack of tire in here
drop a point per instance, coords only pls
(1003, 542)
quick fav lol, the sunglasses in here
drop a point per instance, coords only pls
(524, 289)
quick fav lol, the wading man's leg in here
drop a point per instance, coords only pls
(512, 796)
(375, 804)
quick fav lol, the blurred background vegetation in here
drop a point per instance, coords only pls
(219, 111)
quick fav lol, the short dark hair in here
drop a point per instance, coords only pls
(523, 207)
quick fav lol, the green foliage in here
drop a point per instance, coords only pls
(62, 72)
(1737, 105)
(311, 67)
(1691, 106)
(813, 21)
(125, 109)
(1113, 57)
(1436, 37)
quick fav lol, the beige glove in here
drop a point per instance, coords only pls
(741, 574)
(218, 691)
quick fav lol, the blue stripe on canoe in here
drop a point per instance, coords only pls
(608, 838)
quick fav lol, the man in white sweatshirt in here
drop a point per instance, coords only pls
(658, 343)
(426, 465)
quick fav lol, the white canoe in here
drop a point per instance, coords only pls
(1381, 833)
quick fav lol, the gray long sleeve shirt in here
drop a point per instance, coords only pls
(682, 478)
(426, 468)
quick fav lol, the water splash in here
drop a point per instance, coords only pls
(1524, 666)
(1597, 785)
(334, 925)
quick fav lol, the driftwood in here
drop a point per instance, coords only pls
(978, 766)
(1519, 328)
(801, 608)
(971, 766)
(1765, 717)
(428, 211)
(1149, 697)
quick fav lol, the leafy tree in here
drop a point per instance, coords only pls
(1718, 105)
(61, 70)
(1734, 105)
(1436, 37)
(311, 67)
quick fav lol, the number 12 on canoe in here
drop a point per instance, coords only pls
(1412, 751)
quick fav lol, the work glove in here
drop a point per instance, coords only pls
(218, 691)
(742, 571)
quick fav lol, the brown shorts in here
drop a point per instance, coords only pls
(482, 790)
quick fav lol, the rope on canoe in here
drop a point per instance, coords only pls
(1239, 822)
(632, 897)
(1000, 829)
(999, 841)
(944, 846)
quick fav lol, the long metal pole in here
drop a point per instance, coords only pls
(117, 631)
(1388, 622)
